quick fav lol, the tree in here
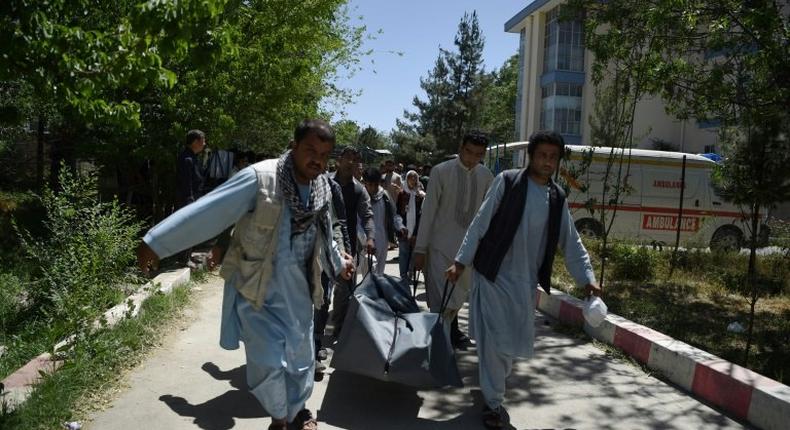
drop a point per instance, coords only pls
(466, 68)
(454, 100)
(732, 65)
(622, 73)
(126, 81)
(85, 55)
(346, 132)
(726, 61)
(498, 112)
(410, 147)
(372, 138)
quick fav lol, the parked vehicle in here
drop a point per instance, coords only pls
(648, 210)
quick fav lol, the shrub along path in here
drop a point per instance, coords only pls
(703, 297)
(191, 383)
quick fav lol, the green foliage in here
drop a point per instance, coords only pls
(346, 132)
(411, 147)
(754, 172)
(94, 364)
(11, 290)
(86, 55)
(500, 89)
(372, 138)
(453, 89)
(695, 307)
(632, 263)
(120, 83)
(772, 277)
(460, 96)
(84, 255)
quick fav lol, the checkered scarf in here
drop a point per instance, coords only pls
(301, 218)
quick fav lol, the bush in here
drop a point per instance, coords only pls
(737, 282)
(11, 289)
(85, 253)
(632, 263)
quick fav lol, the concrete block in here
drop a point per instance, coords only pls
(675, 360)
(770, 406)
(604, 332)
(730, 386)
(169, 280)
(570, 311)
(549, 304)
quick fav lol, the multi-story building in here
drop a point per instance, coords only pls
(555, 88)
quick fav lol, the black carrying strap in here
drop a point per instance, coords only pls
(415, 281)
(445, 298)
(370, 269)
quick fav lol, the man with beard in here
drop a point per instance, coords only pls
(272, 269)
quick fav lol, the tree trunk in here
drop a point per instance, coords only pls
(752, 279)
(604, 256)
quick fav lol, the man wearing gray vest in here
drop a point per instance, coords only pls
(281, 243)
(511, 244)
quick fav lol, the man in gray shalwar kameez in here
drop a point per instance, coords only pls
(502, 300)
(281, 243)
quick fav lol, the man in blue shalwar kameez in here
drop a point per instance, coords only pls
(511, 255)
(281, 243)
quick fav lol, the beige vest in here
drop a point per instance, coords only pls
(248, 263)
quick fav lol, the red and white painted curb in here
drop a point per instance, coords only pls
(740, 392)
(16, 387)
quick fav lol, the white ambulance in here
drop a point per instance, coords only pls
(649, 209)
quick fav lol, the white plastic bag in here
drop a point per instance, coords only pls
(594, 311)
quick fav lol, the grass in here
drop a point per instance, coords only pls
(95, 363)
(780, 233)
(703, 296)
(31, 334)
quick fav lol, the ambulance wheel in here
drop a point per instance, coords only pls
(590, 228)
(727, 238)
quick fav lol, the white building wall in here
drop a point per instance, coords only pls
(650, 120)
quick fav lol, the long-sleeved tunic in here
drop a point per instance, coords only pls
(454, 195)
(278, 337)
(502, 313)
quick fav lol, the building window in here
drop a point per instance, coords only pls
(563, 44)
(709, 149)
(561, 109)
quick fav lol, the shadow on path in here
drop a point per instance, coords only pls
(220, 412)
(357, 403)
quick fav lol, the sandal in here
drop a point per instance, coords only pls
(304, 421)
(278, 425)
(494, 419)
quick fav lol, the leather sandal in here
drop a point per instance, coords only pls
(304, 421)
(278, 425)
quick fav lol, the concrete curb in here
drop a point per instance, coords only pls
(16, 387)
(740, 392)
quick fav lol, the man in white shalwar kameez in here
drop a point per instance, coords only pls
(502, 312)
(454, 195)
(281, 242)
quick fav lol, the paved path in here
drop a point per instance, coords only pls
(190, 383)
